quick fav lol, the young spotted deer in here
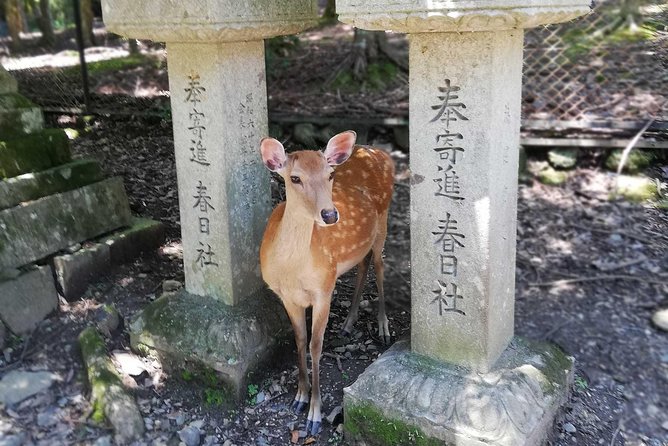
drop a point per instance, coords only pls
(334, 217)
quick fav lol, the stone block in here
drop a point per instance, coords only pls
(31, 186)
(407, 398)
(47, 225)
(232, 340)
(32, 153)
(27, 299)
(7, 83)
(144, 235)
(75, 271)
(19, 115)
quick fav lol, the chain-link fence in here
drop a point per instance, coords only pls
(610, 65)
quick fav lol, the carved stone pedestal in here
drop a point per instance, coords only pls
(405, 398)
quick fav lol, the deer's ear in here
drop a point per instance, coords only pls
(340, 147)
(273, 154)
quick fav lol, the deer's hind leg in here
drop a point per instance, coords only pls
(379, 268)
(362, 270)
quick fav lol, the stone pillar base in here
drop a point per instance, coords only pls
(194, 332)
(404, 398)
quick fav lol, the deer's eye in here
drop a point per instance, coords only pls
(331, 176)
(295, 180)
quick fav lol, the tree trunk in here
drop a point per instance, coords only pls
(631, 13)
(45, 23)
(132, 44)
(87, 23)
(330, 11)
(14, 22)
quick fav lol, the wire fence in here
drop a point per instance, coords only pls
(603, 67)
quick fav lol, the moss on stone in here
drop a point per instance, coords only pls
(18, 115)
(637, 161)
(636, 189)
(58, 179)
(563, 158)
(367, 422)
(34, 152)
(552, 177)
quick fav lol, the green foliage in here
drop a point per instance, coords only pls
(581, 383)
(636, 161)
(187, 375)
(117, 64)
(62, 13)
(252, 392)
(214, 397)
(278, 48)
(552, 177)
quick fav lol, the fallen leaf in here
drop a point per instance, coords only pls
(294, 437)
(310, 440)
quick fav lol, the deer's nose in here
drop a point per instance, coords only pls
(329, 216)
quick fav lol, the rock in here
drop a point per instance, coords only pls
(103, 441)
(129, 363)
(17, 385)
(27, 299)
(170, 286)
(107, 320)
(636, 189)
(562, 158)
(180, 419)
(18, 116)
(7, 83)
(568, 427)
(110, 399)
(11, 440)
(636, 161)
(336, 411)
(190, 436)
(660, 319)
(665, 425)
(33, 153)
(552, 177)
(260, 397)
(143, 235)
(62, 178)
(72, 216)
(75, 271)
(48, 417)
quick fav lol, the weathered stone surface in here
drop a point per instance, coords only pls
(224, 194)
(111, 400)
(143, 235)
(405, 398)
(27, 299)
(31, 153)
(75, 271)
(233, 340)
(464, 193)
(19, 115)
(552, 177)
(53, 223)
(31, 186)
(419, 16)
(219, 21)
(18, 385)
(636, 161)
(7, 83)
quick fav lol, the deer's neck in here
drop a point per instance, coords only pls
(295, 234)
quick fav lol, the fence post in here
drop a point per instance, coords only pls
(82, 57)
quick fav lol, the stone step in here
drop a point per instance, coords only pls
(52, 223)
(75, 271)
(35, 152)
(31, 186)
(19, 115)
(27, 299)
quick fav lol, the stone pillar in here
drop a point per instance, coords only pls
(219, 111)
(464, 379)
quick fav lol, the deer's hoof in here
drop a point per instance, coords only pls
(298, 406)
(387, 339)
(313, 427)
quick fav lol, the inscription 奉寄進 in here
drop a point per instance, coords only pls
(449, 114)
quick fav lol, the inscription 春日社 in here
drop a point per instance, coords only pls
(202, 200)
(449, 148)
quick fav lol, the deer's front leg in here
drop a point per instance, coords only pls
(320, 317)
(297, 317)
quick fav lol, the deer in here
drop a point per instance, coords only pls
(334, 218)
